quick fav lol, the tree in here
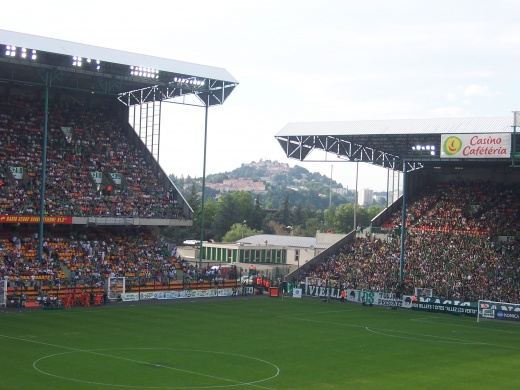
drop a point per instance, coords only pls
(312, 225)
(244, 205)
(330, 219)
(362, 218)
(274, 227)
(238, 231)
(225, 216)
(283, 215)
(344, 218)
(211, 208)
(234, 207)
(374, 211)
(297, 215)
(257, 217)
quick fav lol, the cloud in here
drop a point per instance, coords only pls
(475, 90)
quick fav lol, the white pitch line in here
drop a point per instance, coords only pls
(325, 322)
(425, 337)
(463, 326)
(236, 383)
(320, 312)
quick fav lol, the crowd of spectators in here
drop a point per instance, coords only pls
(477, 207)
(462, 241)
(82, 139)
(86, 257)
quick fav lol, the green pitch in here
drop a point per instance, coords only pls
(254, 343)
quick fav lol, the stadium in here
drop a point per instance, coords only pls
(92, 294)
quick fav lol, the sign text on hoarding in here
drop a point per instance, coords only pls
(34, 219)
(476, 145)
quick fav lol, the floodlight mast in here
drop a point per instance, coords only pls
(44, 169)
(201, 247)
(403, 225)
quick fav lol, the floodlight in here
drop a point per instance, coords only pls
(143, 71)
(10, 51)
(191, 81)
(77, 61)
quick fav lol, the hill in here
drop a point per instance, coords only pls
(278, 181)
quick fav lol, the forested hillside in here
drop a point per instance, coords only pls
(295, 201)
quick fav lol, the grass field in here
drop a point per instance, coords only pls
(254, 343)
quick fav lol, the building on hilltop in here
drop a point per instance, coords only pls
(230, 185)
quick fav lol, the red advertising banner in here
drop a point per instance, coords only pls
(35, 219)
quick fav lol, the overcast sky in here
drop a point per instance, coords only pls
(299, 61)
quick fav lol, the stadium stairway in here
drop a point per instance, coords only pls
(65, 270)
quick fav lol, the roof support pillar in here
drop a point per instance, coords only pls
(44, 168)
(403, 224)
(203, 183)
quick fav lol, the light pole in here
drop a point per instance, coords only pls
(298, 273)
(356, 196)
(330, 188)
(243, 223)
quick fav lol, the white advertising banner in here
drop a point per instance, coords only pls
(147, 295)
(211, 293)
(171, 294)
(130, 297)
(496, 145)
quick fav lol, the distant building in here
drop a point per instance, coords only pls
(365, 197)
(274, 166)
(230, 185)
(340, 191)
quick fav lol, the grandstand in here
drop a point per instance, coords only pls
(83, 195)
(460, 206)
(82, 192)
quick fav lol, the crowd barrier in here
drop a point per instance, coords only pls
(372, 298)
(183, 294)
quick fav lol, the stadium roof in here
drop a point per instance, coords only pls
(114, 72)
(386, 142)
(276, 240)
(401, 126)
